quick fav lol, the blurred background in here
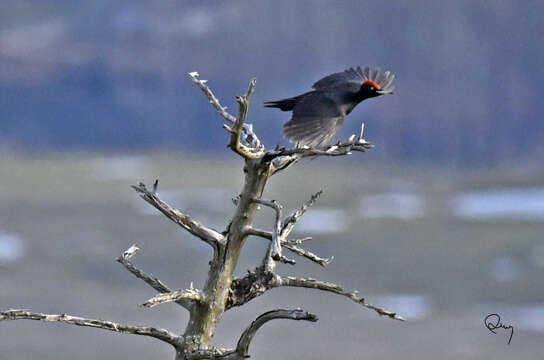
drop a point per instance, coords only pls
(442, 221)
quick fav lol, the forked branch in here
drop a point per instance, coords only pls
(288, 156)
(308, 254)
(334, 288)
(206, 234)
(290, 222)
(293, 246)
(236, 143)
(274, 252)
(187, 295)
(152, 281)
(246, 143)
(242, 348)
(157, 333)
(280, 233)
(258, 282)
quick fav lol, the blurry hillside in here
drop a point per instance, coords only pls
(76, 74)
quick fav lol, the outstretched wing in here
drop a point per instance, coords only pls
(351, 75)
(316, 119)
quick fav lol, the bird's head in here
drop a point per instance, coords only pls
(376, 84)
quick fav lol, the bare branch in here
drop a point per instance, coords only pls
(289, 223)
(334, 288)
(292, 245)
(258, 282)
(161, 334)
(258, 232)
(361, 140)
(248, 152)
(298, 314)
(213, 99)
(152, 281)
(242, 348)
(280, 163)
(208, 235)
(130, 252)
(308, 254)
(274, 250)
(212, 354)
(282, 231)
(149, 279)
(339, 149)
(298, 241)
(187, 295)
(281, 158)
(245, 132)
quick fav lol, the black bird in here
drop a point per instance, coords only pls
(318, 114)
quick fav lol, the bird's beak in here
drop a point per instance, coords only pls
(385, 92)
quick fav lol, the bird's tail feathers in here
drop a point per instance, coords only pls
(284, 104)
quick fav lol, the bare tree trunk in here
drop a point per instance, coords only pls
(204, 320)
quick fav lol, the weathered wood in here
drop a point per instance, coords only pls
(161, 334)
(203, 322)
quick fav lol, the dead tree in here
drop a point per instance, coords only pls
(222, 291)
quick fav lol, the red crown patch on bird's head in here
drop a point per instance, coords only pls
(383, 83)
(372, 83)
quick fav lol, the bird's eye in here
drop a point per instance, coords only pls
(372, 88)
